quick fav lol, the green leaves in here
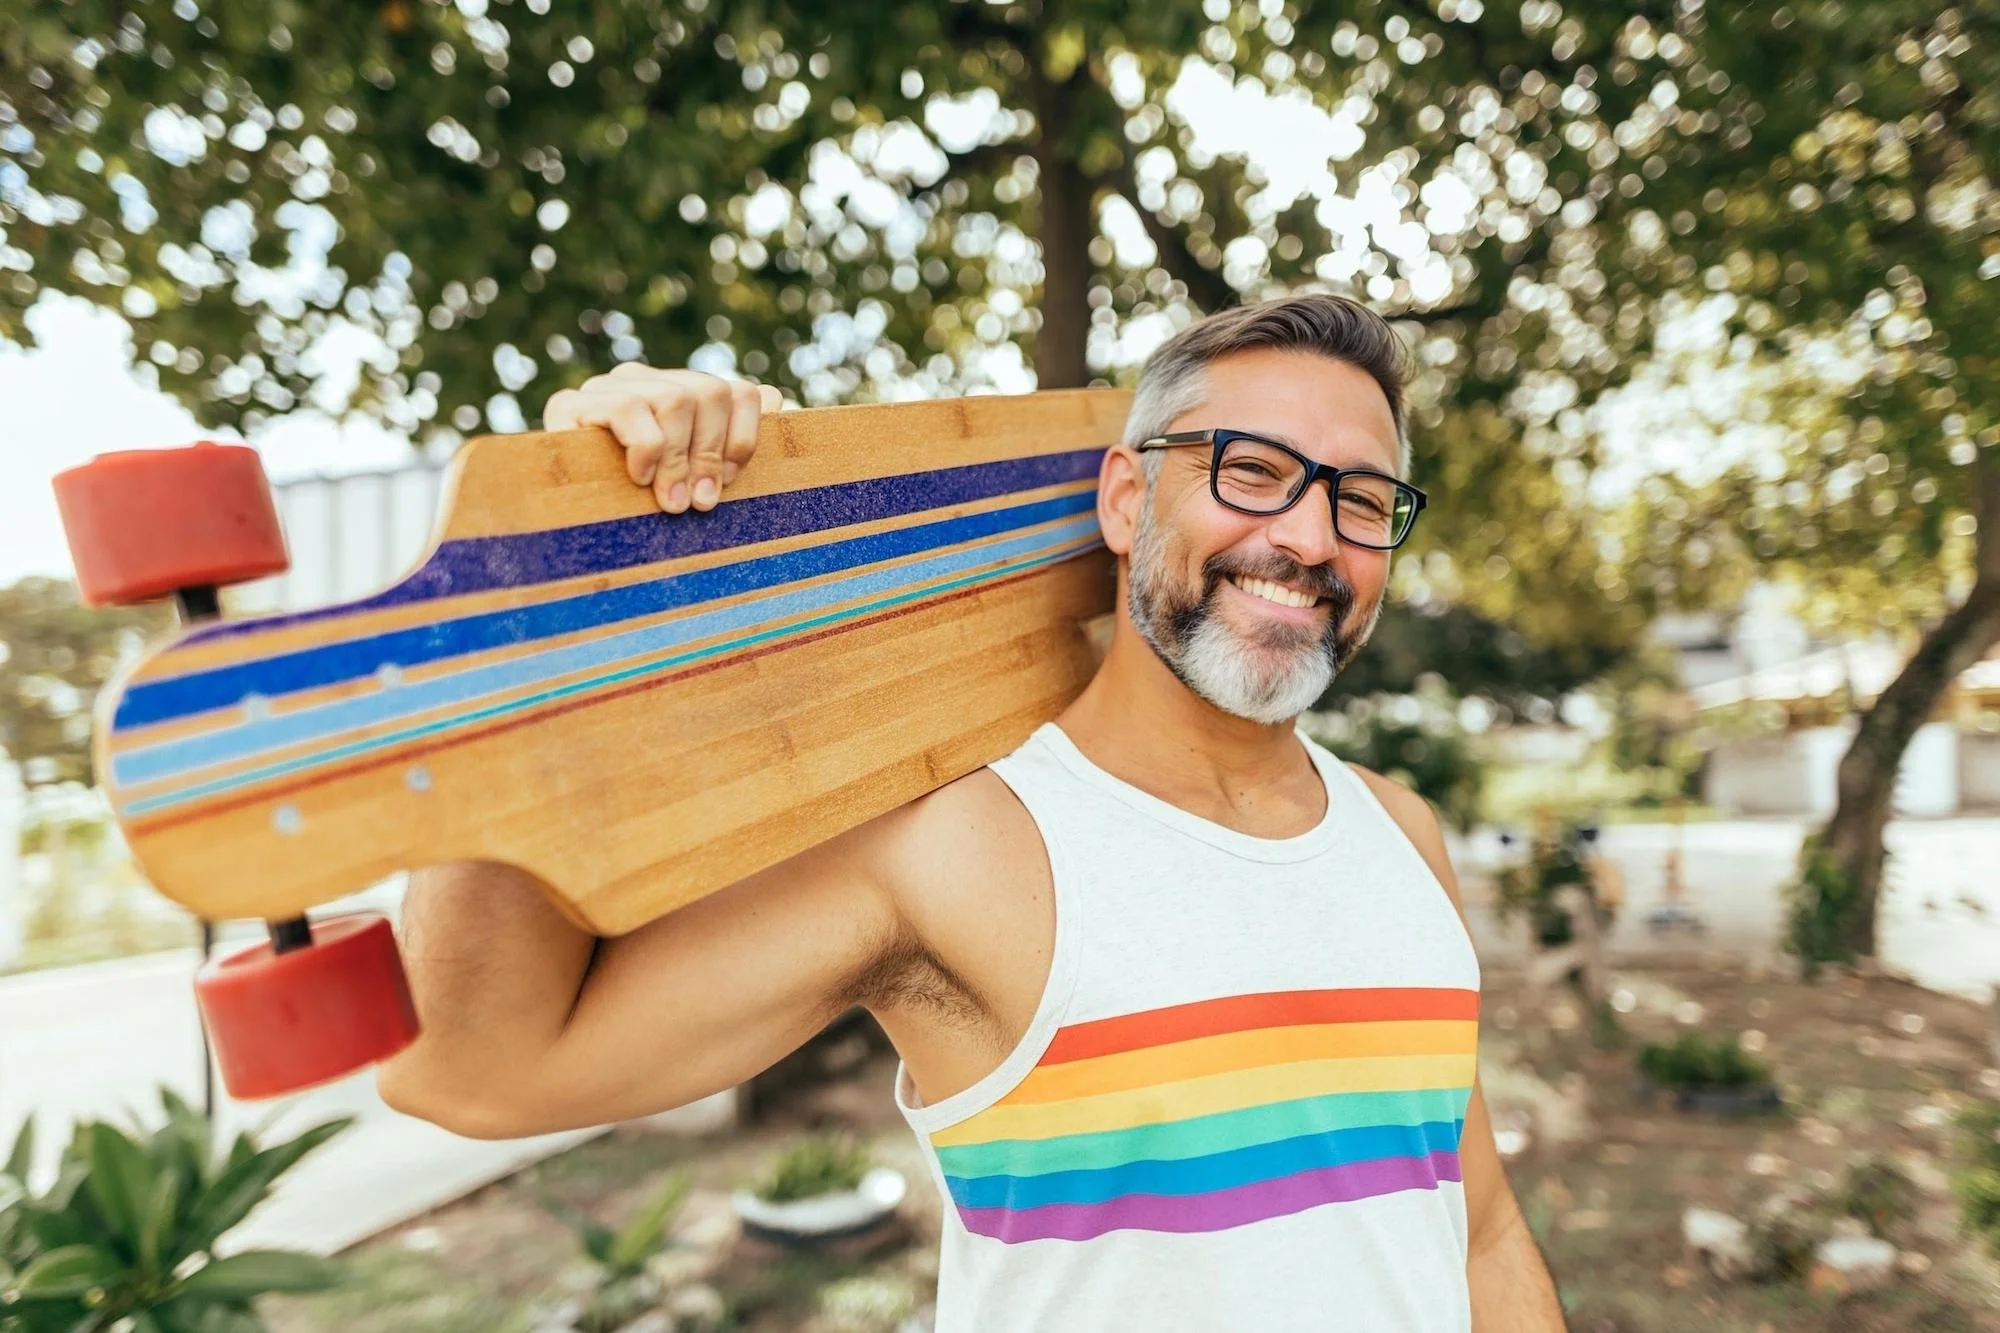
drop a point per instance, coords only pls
(639, 1238)
(72, 1270)
(254, 1272)
(623, 1253)
(245, 1180)
(121, 1229)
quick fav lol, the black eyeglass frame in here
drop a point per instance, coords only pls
(1221, 437)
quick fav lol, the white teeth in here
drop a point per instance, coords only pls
(1275, 592)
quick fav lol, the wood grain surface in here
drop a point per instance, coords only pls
(638, 707)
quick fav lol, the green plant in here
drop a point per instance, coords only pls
(623, 1290)
(1978, 1185)
(1878, 1194)
(819, 1164)
(1823, 903)
(1552, 863)
(1697, 1062)
(125, 1236)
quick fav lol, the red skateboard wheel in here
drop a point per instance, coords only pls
(281, 1022)
(144, 523)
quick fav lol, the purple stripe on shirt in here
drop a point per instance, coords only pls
(1219, 1210)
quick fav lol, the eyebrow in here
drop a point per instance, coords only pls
(1291, 443)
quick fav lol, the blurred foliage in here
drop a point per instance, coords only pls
(1415, 739)
(1877, 1192)
(1482, 657)
(1557, 857)
(623, 1290)
(55, 653)
(817, 1164)
(1649, 714)
(497, 198)
(1594, 789)
(125, 1237)
(1978, 1184)
(1822, 902)
(1696, 1061)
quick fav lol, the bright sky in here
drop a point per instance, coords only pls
(75, 396)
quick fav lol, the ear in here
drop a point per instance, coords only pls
(1121, 489)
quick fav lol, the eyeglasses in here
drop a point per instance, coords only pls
(1253, 475)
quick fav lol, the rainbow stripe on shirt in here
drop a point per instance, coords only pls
(1213, 1115)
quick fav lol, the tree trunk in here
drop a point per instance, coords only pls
(1068, 224)
(1865, 784)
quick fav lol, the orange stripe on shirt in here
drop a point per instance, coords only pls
(1236, 1013)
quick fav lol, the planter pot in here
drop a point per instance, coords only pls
(1757, 1099)
(1754, 1099)
(823, 1218)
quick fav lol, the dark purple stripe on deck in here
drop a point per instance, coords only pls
(478, 564)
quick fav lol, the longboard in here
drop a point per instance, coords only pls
(638, 708)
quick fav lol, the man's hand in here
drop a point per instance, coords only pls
(686, 434)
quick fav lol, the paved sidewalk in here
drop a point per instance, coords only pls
(1939, 918)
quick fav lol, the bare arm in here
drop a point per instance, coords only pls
(1512, 1291)
(531, 1025)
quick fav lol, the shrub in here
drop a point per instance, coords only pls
(126, 1234)
(1697, 1062)
(1823, 905)
(820, 1164)
(1553, 862)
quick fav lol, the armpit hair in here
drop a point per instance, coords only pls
(906, 974)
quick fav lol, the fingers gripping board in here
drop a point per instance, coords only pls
(637, 707)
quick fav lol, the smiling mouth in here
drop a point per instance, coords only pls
(1276, 593)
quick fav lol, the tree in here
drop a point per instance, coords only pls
(853, 199)
(55, 654)
(1827, 174)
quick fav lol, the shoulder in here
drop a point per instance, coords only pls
(956, 844)
(1417, 818)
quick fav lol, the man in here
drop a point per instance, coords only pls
(1186, 1007)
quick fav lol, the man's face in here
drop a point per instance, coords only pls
(1201, 574)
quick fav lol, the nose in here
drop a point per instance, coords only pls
(1305, 531)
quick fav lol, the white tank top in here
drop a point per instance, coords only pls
(1239, 1102)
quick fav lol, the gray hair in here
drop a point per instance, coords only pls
(1172, 384)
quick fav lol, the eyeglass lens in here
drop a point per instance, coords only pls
(1263, 479)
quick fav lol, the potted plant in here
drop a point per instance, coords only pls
(125, 1236)
(821, 1189)
(1709, 1074)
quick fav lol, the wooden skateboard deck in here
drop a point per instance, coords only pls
(637, 707)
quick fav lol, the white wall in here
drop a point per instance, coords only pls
(1979, 771)
(349, 536)
(1796, 773)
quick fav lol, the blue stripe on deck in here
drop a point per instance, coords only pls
(479, 564)
(167, 800)
(332, 664)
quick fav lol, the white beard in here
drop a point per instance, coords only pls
(1267, 685)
